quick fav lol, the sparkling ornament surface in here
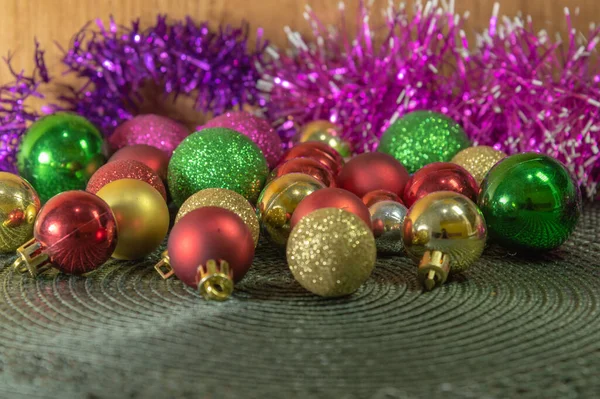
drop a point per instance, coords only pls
(318, 151)
(154, 130)
(154, 158)
(226, 199)
(387, 221)
(19, 206)
(325, 132)
(331, 252)
(217, 158)
(331, 198)
(142, 217)
(279, 200)
(256, 129)
(448, 222)
(210, 233)
(125, 169)
(530, 202)
(373, 171)
(422, 137)
(478, 160)
(307, 166)
(375, 196)
(440, 176)
(77, 230)
(60, 152)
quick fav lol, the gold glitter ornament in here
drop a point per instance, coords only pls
(19, 205)
(325, 132)
(478, 160)
(331, 252)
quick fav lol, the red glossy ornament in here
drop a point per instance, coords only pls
(210, 233)
(318, 151)
(152, 157)
(331, 198)
(125, 169)
(307, 166)
(373, 171)
(440, 176)
(373, 197)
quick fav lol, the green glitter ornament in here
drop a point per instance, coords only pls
(530, 202)
(60, 152)
(422, 137)
(217, 158)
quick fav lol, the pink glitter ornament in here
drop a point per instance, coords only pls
(154, 130)
(253, 127)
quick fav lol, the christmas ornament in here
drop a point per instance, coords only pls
(423, 137)
(210, 248)
(478, 160)
(307, 166)
(445, 232)
(440, 176)
(217, 158)
(19, 206)
(142, 217)
(387, 219)
(75, 232)
(152, 157)
(278, 202)
(325, 132)
(59, 152)
(375, 196)
(331, 198)
(125, 169)
(153, 130)
(373, 171)
(319, 152)
(331, 252)
(530, 202)
(256, 129)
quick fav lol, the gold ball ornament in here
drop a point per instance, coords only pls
(478, 160)
(19, 205)
(226, 199)
(325, 132)
(331, 252)
(278, 201)
(142, 217)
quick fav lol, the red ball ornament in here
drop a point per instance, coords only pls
(440, 176)
(205, 242)
(75, 232)
(373, 197)
(373, 171)
(307, 166)
(152, 157)
(319, 152)
(125, 169)
(331, 198)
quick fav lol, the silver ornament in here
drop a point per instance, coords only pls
(387, 218)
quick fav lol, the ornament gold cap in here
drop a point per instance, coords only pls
(31, 259)
(433, 269)
(163, 267)
(215, 280)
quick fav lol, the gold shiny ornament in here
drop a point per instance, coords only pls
(278, 201)
(325, 132)
(19, 205)
(446, 233)
(478, 160)
(142, 217)
(331, 252)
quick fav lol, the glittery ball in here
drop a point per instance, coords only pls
(478, 160)
(331, 252)
(226, 199)
(256, 129)
(154, 130)
(422, 137)
(217, 158)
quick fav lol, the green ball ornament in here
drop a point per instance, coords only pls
(217, 158)
(60, 152)
(530, 202)
(422, 137)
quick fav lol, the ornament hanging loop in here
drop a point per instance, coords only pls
(31, 259)
(163, 267)
(433, 269)
(215, 281)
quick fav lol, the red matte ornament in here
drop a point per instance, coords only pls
(154, 158)
(373, 171)
(378, 196)
(318, 151)
(307, 166)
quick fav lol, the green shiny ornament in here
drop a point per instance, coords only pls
(530, 202)
(217, 158)
(60, 152)
(422, 137)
